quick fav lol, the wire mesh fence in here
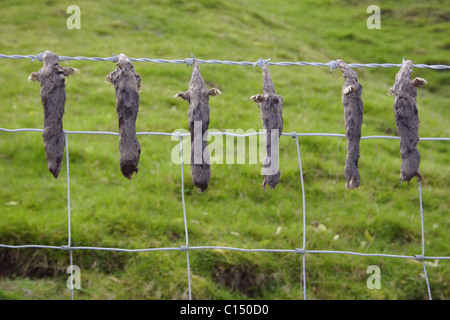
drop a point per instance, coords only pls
(186, 248)
(421, 256)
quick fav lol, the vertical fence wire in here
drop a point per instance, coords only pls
(304, 217)
(69, 232)
(423, 241)
(184, 215)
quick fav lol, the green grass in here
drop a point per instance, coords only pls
(382, 216)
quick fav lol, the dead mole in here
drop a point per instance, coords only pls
(127, 84)
(353, 116)
(53, 96)
(407, 120)
(198, 114)
(271, 106)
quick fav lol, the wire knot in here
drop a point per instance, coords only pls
(114, 59)
(299, 251)
(293, 134)
(177, 134)
(333, 65)
(189, 61)
(39, 56)
(418, 257)
(65, 248)
(260, 62)
(183, 248)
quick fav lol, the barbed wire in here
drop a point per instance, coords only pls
(188, 61)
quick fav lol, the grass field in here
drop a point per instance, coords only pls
(382, 216)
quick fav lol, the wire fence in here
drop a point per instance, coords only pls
(188, 61)
(186, 248)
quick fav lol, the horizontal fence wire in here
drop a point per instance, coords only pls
(332, 64)
(187, 134)
(420, 257)
(189, 61)
(183, 248)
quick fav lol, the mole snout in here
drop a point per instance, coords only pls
(54, 169)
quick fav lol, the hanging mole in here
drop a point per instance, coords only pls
(271, 106)
(127, 84)
(353, 114)
(407, 120)
(198, 98)
(53, 96)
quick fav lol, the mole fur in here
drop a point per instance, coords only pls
(271, 107)
(127, 84)
(197, 96)
(53, 96)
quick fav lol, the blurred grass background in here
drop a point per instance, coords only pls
(382, 216)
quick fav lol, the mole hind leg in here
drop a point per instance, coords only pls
(214, 92)
(257, 98)
(69, 70)
(349, 89)
(34, 76)
(181, 95)
(418, 82)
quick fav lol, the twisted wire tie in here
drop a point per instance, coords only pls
(333, 65)
(189, 61)
(260, 62)
(39, 56)
(418, 257)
